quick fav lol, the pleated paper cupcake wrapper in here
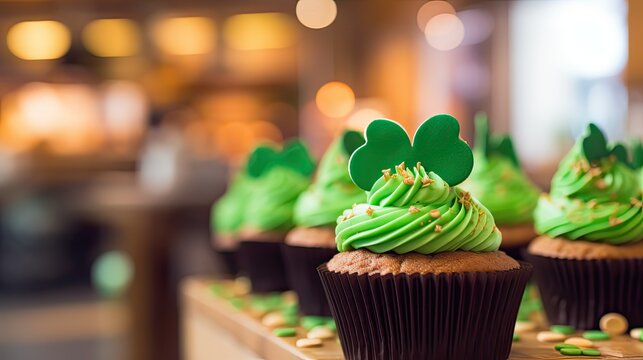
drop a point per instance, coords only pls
(229, 260)
(579, 292)
(262, 262)
(435, 316)
(301, 268)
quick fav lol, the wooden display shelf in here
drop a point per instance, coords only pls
(213, 328)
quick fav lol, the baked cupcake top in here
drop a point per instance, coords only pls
(416, 208)
(497, 179)
(333, 191)
(595, 195)
(279, 178)
(228, 212)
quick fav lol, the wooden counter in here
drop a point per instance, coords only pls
(214, 329)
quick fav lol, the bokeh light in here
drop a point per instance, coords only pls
(259, 31)
(39, 40)
(478, 25)
(360, 119)
(112, 272)
(444, 32)
(112, 37)
(335, 99)
(125, 109)
(185, 35)
(316, 14)
(431, 9)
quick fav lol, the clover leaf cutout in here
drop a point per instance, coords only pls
(637, 154)
(488, 145)
(595, 147)
(294, 155)
(436, 145)
(261, 159)
(351, 140)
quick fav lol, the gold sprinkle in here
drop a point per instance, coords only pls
(369, 211)
(413, 209)
(435, 213)
(600, 183)
(584, 165)
(422, 224)
(438, 228)
(465, 199)
(426, 181)
(418, 165)
(348, 216)
(408, 180)
(387, 174)
(401, 169)
(614, 221)
(595, 171)
(592, 204)
(636, 202)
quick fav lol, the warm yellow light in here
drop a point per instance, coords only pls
(316, 14)
(259, 31)
(431, 9)
(444, 32)
(39, 40)
(335, 99)
(112, 37)
(360, 119)
(185, 35)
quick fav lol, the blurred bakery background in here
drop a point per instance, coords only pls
(121, 121)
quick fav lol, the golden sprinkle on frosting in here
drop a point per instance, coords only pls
(435, 213)
(465, 199)
(413, 209)
(387, 174)
(592, 204)
(636, 202)
(600, 183)
(614, 221)
(438, 228)
(426, 181)
(595, 172)
(369, 211)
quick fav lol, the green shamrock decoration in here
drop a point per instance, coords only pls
(493, 145)
(261, 158)
(637, 154)
(595, 146)
(294, 155)
(351, 140)
(436, 145)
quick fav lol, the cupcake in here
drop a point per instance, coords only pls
(589, 258)
(279, 178)
(419, 274)
(312, 241)
(226, 219)
(498, 181)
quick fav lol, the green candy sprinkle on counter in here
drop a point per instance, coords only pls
(596, 335)
(237, 303)
(309, 322)
(561, 346)
(591, 352)
(571, 351)
(285, 332)
(562, 329)
(516, 337)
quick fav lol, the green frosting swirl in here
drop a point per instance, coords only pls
(331, 193)
(503, 188)
(272, 200)
(228, 213)
(601, 202)
(416, 211)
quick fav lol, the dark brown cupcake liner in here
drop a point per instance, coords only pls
(228, 259)
(579, 292)
(435, 316)
(263, 263)
(301, 269)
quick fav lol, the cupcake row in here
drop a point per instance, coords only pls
(405, 236)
